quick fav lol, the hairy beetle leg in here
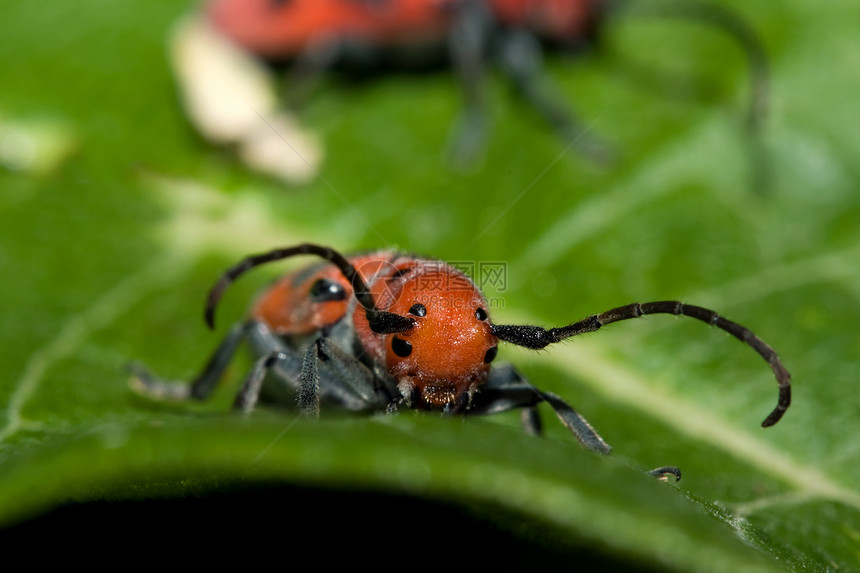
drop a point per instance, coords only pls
(507, 389)
(145, 383)
(324, 372)
(530, 419)
(249, 394)
(149, 385)
(521, 60)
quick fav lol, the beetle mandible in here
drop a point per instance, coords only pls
(386, 330)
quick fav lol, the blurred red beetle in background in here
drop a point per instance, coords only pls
(315, 35)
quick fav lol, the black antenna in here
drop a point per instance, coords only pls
(536, 337)
(381, 322)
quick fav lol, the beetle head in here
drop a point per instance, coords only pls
(446, 354)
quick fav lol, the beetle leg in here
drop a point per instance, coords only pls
(247, 397)
(296, 372)
(200, 388)
(352, 374)
(344, 377)
(468, 43)
(308, 69)
(587, 436)
(309, 382)
(507, 389)
(342, 380)
(520, 58)
(531, 421)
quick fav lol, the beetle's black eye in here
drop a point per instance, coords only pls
(480, 314)
(324, 290)
(401, 348)
(418, 309)
(491, 354)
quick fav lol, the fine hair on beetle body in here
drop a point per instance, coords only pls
(385, 330)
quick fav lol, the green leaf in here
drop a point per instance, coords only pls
(116, 219)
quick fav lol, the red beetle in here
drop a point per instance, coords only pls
(280, 29)
(316, 34)
(387, 330)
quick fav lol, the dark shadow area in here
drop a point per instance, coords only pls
(328, 527)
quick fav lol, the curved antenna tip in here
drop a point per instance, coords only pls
(781, 407)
